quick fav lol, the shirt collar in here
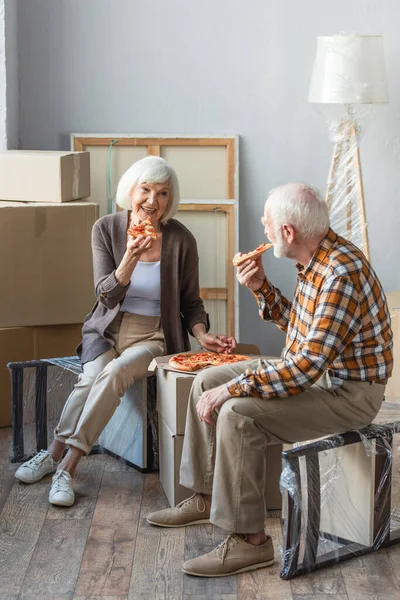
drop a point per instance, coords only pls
(309, 271)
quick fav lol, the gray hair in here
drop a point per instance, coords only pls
(299, 205)
(151, 169)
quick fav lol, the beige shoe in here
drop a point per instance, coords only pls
(233, 556)
(193, 511)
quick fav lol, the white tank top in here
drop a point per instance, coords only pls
(143, 295)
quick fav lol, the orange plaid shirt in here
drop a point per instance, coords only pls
(338, 320)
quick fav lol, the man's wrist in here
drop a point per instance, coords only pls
(263, 284)
(234, 389)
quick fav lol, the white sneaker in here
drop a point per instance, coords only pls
(35, 469)
(61, 492)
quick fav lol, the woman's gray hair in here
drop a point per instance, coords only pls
(299, 205)
(151, 169)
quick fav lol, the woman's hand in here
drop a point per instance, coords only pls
(216, 342)
(251, 274)
(135, 247)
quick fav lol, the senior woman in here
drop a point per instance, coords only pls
(147, 302)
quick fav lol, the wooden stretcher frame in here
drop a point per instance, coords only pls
(228, 205)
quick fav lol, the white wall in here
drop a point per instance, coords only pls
(214, 66)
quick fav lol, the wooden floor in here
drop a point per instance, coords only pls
(102, 548)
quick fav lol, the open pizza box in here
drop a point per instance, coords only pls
(173, 388)
(162, 362)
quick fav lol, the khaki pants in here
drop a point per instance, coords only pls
(138, 339)
(228, 460)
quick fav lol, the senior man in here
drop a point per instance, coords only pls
(331, 377)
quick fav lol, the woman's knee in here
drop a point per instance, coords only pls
(117, 373)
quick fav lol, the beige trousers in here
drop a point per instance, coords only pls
(138, 339)
(228, 460)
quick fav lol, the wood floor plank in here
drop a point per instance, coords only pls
(107, 562)
(393, 555)
(327, 581)
(370, 578)
(115, 464)
(21, 521)
(159, 551)
(18, 537)
(100, 598)
(86, 484)
(216, 597)
(199, 540)
(7, 480)
(54, 568)
(320, 597)
(265, 584)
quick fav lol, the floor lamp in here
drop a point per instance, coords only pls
(349, 70)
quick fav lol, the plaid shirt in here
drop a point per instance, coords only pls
(338, 320)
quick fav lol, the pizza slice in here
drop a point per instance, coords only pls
(144, 228)
(238, 259)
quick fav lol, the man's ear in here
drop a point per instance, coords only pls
(288, 232)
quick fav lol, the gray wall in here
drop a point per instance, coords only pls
(214, 66)
(3, 103)
(12, 76)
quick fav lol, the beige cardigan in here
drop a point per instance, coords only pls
(181, 305)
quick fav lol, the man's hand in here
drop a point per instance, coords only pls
(251, 274)
(216, 343)
(209, 401)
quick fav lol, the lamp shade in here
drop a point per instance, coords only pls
(349, 69)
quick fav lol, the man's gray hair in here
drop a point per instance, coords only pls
(299, 205)
(151, 169)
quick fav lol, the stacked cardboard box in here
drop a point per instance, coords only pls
(45, 258)
(173, 390)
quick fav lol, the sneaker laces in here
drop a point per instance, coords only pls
(61, 482)
(224, 547)
(190, 500)
(37, 460)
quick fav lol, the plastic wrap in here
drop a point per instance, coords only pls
(342, 493)
(39, 391)
(345, 195)
(348, 80)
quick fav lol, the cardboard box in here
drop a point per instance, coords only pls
(393, 387)
(55, 341)
(30, 343)
(170, 460)
(172, 398)
(170, 448)
(44, 176)
(173, 388)
(46, 263)
(393, 299)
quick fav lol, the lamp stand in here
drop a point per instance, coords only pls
(347, 153)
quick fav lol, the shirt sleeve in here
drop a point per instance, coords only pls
(109, 291)
(192, 306)
(272, 305)
(337, 320)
